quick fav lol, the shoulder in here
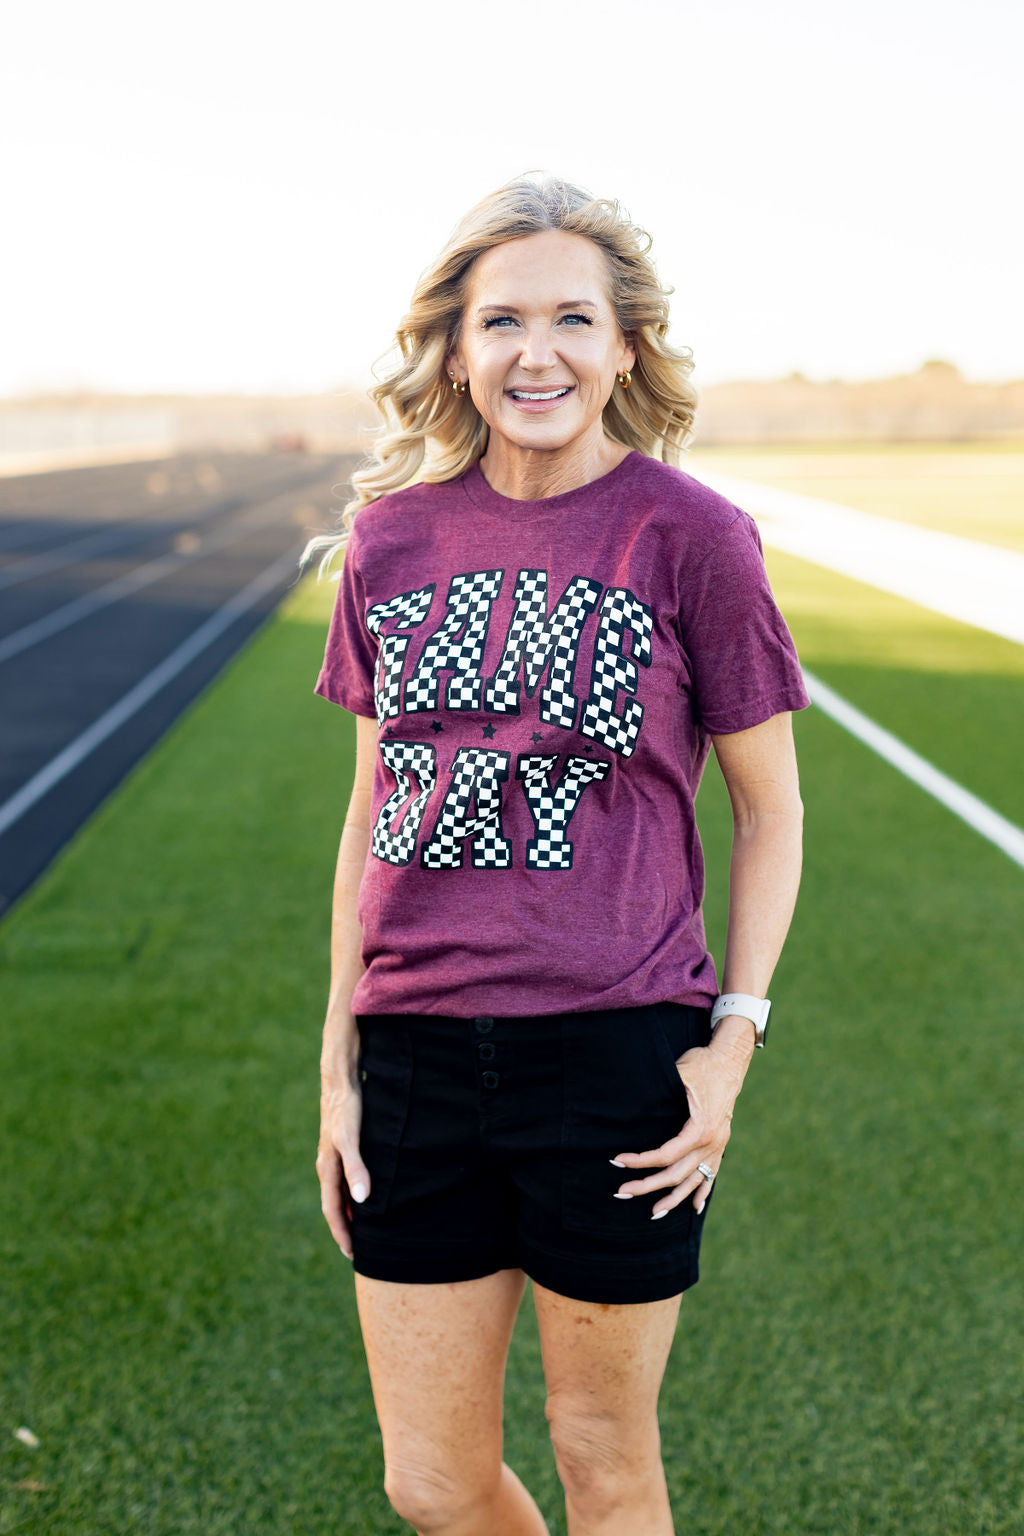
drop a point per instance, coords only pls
(687, 506)
(399, 519)
(412, 500)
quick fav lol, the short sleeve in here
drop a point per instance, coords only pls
(744, 663)
(350, 655)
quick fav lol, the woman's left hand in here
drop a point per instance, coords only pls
(712, 1076)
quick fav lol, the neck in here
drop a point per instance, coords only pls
(530, 474)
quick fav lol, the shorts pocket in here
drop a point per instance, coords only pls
(623, 1093)
(679, 1028)
(385, 1070)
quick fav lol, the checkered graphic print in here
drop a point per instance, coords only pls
(612, 670)
(477, 776)
(469, 606)
(411, 609)
(533, 636)
(403, 758)
(552, 808)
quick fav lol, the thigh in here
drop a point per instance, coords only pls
(436, 1355)
(604, 1364)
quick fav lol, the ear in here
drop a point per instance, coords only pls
(628, 355)
(453, 364)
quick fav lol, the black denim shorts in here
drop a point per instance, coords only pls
(489, 1141)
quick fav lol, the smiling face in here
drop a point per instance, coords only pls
(540, 345)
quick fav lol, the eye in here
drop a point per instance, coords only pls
(583, 319)
(497, 320)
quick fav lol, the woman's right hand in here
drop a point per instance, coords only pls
(343, 1175)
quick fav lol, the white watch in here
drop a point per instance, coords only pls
(744, 1007)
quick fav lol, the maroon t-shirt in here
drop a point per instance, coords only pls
(546, 675)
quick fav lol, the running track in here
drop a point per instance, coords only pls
(124, 589)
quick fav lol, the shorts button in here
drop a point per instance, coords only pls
(491, 1079)
(485, 1050)
(484, 1026)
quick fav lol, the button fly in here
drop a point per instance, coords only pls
(485, 1051)
(490, 1079)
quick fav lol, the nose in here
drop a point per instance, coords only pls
(537, 352)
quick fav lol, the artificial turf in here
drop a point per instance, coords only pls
(179, 1331)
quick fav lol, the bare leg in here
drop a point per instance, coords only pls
(603, 1365)
(437, 1356)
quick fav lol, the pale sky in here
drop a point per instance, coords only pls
(212, 196)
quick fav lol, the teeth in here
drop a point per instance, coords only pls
(552, 394)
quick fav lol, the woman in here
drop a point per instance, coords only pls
(528, 1067)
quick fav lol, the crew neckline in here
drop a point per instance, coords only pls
(512, 509)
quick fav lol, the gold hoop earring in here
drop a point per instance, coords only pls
(457, 385)
(625, 378)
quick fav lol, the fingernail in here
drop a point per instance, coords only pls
(620, 1196)
(701, 1207)
(615, 1163)
(359, 1192)
(658, 1215)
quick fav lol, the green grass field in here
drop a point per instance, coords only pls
(180, 1332)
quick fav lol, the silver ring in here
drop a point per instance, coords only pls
(709, 1173)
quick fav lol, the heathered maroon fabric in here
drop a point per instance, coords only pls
(546, 675)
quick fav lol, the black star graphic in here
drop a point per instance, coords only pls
(536, 736)
(488, 731)
(436, 725)
(587, 747)
(389, 732)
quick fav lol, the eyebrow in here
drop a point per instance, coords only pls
(510, 309)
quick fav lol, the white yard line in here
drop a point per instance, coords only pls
(112, 719)
(978, 584)
(995, 828)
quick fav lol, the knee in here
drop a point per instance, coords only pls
(601, 1461)
(431, 1499)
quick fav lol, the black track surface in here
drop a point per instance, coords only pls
(220, 519)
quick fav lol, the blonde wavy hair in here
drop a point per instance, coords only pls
(431, 434)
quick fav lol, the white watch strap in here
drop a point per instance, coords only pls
(744, 1007)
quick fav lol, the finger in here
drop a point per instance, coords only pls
(704, 1187)
(696, 1181)
(357, 1175)
(688, 1140)
(682, 1169)
(328, 1167)
(330, 1203)
(654, 1181)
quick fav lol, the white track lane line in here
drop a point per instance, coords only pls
(91, 602)
(1008, 838)
(112, 719)
(122, 586)
(30, 566)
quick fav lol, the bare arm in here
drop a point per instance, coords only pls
(759, 768)
(760, 772)
(339, 1163)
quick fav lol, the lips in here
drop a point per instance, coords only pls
(556, 392)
